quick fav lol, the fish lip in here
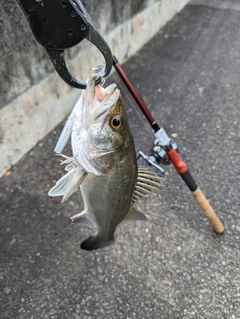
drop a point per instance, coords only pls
(97, 109)
(91, 87)
(110, 91)
(105, 110)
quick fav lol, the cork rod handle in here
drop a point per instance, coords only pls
(208, 211)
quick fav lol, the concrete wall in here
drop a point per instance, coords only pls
(33, 98)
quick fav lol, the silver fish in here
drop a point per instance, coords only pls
(103, 165)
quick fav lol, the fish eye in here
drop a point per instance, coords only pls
(116, 122)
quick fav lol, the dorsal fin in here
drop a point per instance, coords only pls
(134, 215)
(146, 182)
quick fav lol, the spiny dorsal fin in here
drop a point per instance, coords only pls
(134, 215)
(146, 182)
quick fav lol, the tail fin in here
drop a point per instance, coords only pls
(95, 242)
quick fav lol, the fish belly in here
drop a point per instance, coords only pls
(107, 198)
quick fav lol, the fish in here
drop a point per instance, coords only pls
(103, 165)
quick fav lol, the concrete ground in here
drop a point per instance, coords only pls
(173, 265)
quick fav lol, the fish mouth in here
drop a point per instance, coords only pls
(100, 99)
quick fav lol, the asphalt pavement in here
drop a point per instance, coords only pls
(173, 265)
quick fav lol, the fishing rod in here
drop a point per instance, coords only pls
(166, 149)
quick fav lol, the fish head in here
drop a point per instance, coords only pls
(101, 128)
(109, 133)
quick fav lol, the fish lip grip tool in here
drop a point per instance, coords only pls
(61, 24)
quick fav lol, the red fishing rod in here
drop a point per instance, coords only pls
(165, 147)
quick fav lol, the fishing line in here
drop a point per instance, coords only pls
(131, 101)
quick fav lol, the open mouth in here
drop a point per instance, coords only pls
(103, 100)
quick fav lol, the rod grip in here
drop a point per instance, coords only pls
(208, 211)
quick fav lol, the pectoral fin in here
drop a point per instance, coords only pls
(68, 184)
